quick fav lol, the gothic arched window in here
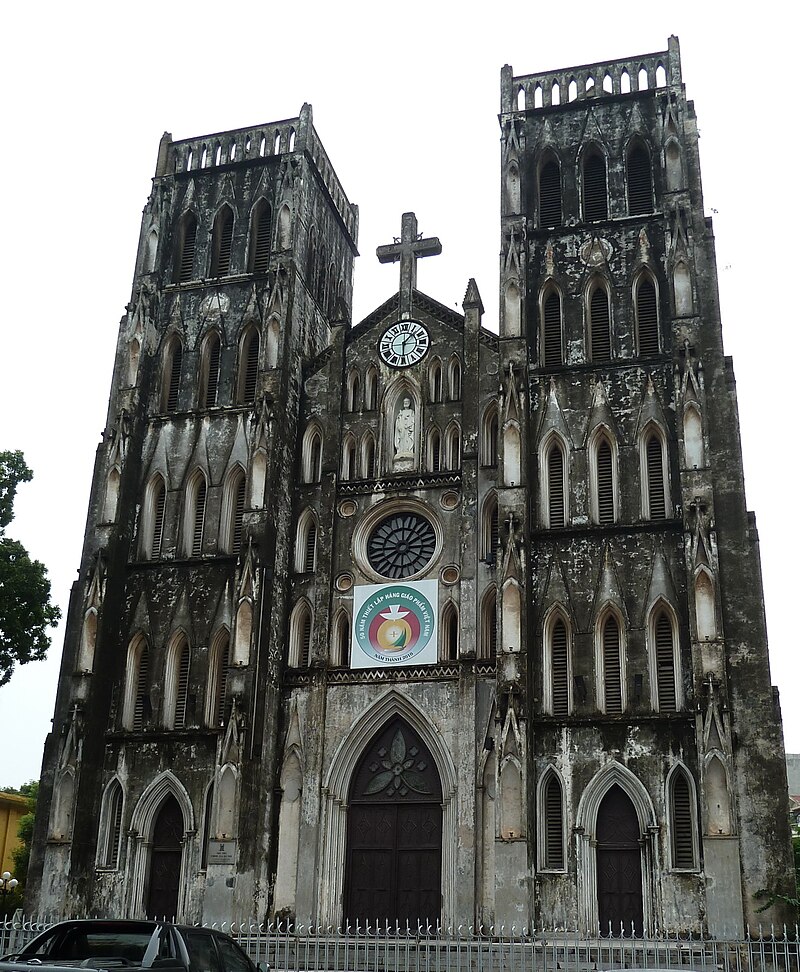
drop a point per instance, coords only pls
(682, 820)
(260, 237)
(137, 685)
(454, 379)
(305, 550)
(248, 366)
(371, 389)
(489, 436)
(595, 194)
(557, 667)
(602, 469)
(233, 510)
(640, 179)
(300, 636)
(489, 530)
(599, 323)
(552, 809)
(489, 623)
(449, 638)
(552, 348)
(646, 306)
(550, 194)
(664, 666)
(222, 240)
(209, 370)
(194, 515)
(171, 374)
(611, 667)
(176, 692)
(153, 517)
(555, 483)
(312, 455)
(110, 834)
(219, 663)
(655, 500)
(185, 250)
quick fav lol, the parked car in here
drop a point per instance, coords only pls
(100, 944)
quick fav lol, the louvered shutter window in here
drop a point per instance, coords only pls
(451, 635)
(310, 561)
(188, 245)
(305, 640)
(605, 482)
(555, 485)
(238, 516)
(550, 195)
(560, 669)
(159, 498)
(223, 238)
(640, 182)
(595, 197)
(262, 239)
(554, 825)
(344, 640)
(494, 532)
(182, 688)
(174, 375)
(249, 373)
(435, 452)
(490, 440)
(600, 325)
(682, 824)
(552, 331)
(665, 664)
(655, 479)
(212, 374)
(491, 626)
(647, 317)
(142, 679)
(612, 667)
(113, 825)
(199, 518)
(223, 662)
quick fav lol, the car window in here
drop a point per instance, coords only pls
(43, 945)
(202, 954)
(232, 957)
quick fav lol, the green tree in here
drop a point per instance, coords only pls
(25, 609)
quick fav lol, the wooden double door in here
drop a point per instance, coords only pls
(166, 853)
(394, 832)
(620, 903)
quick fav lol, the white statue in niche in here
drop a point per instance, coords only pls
(404, 431)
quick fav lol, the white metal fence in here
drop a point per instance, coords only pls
(298, 948)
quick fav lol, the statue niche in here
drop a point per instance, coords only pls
(402, 431)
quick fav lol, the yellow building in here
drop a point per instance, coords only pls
(12, 808)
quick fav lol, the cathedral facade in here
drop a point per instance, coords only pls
(415, 618)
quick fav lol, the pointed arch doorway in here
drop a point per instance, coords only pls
(166, 854)
(394, 831)
(620, 903)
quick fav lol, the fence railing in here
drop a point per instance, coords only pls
(298, 948)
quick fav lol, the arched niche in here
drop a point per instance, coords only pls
(112, 496)
(693, 447)
(512, 617)
(682, 283)
(512, 188)
(673, 164)
(402, 414)
(704, 606)
(227, 816)
(512, 455)
(88, 642)
(244, 630)
(513, 309)
(718, 799)
(511, 810)
(258, 479)
(288, 833)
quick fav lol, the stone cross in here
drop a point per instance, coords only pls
(407, 250)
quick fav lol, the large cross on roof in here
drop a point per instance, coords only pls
(407, 250)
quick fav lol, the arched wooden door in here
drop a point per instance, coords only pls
(165, 861)
(619, 865)
(394, 832)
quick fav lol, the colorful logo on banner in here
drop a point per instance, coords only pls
(394, 624)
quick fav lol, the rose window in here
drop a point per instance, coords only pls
(401, 545)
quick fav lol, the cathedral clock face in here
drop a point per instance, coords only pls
(404, 343)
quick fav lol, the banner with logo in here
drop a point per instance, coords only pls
(394, 624)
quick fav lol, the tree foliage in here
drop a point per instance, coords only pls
(25, 609)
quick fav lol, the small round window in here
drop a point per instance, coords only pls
(401, 545)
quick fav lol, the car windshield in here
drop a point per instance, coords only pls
(79, 943)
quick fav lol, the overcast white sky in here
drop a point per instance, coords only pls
(405, 100)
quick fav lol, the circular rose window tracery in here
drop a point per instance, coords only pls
(401, 545)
